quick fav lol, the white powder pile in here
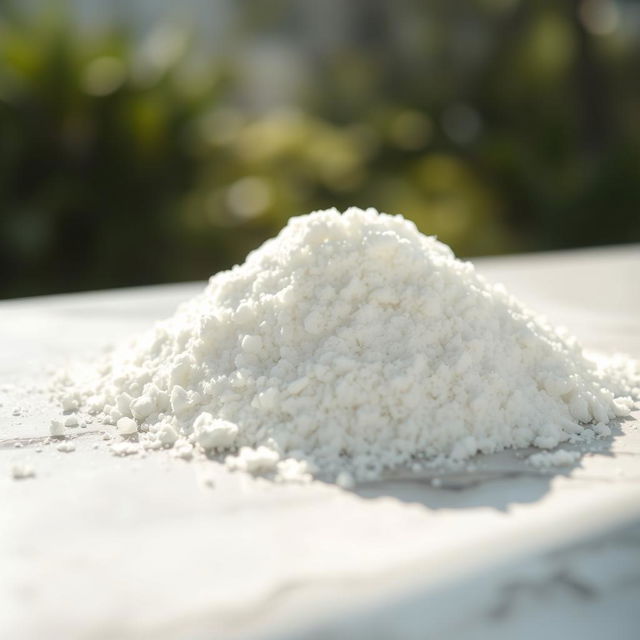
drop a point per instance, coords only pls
(347, 345)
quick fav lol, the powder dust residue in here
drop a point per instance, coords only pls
(347, 345)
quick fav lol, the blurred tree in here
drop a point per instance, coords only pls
(92, 158)
(499, 125)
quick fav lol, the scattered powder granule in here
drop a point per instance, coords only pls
(166, 435)
(126, 426)
(69, 403)
(150, 444)
(208, 482)
(21, 471)
(356, 344)
(258, 460)
(559, 458)
(602, 430)
(56, 429)
(124, 449)
(292, 470)
(212, 433)
(66, 447)
(183, 450)
(71, 421)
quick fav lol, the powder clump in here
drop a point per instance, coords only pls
(351, 344)
(21, 471)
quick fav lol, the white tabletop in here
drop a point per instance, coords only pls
(96, 546)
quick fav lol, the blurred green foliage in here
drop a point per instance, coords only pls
(128, 162)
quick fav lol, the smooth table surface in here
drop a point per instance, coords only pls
(97, 546)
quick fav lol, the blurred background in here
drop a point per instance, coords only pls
(152, 141)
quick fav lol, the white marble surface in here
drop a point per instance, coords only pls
(102, 547)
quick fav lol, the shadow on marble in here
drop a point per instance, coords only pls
(498, 481)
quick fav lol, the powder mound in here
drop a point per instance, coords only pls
(350, 344)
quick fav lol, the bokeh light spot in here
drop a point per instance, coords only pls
(461, 123)
(103, 76)
(248, 197)
(599, 17)
(410, 130)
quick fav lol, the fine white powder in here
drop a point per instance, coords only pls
(347, 345)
